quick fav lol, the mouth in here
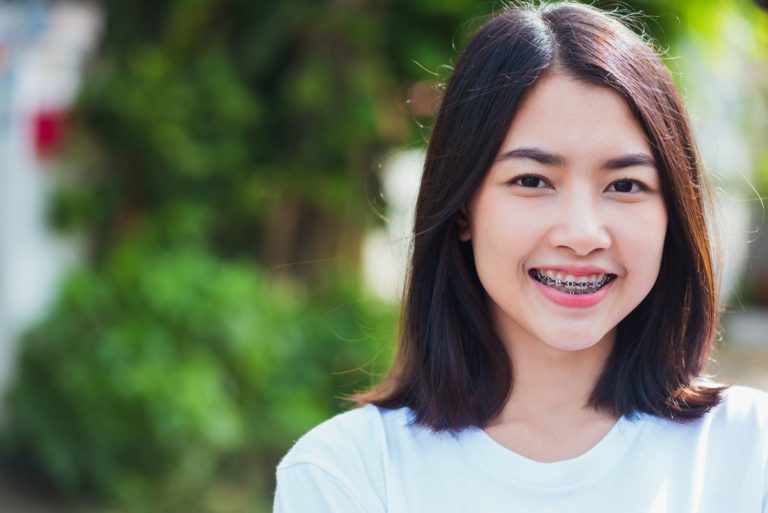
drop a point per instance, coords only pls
(570, 284)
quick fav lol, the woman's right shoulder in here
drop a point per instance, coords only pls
(341, 464)
(354, 438)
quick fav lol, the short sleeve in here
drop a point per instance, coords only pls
(307, 487)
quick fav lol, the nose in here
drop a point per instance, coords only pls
(580, 224)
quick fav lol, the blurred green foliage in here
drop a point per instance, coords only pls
(266, 120)
(154, 368)
(220, 176)
(222, 173)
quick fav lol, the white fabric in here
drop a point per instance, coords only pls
(371, 460)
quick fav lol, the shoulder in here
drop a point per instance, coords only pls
(347, 453)
(338, 465)
(742, 406)
(722, 456)
(739, 420)
(353, 447)
(353, 437)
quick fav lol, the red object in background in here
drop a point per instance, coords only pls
(50, 127)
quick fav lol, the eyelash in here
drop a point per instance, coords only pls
(641, 187)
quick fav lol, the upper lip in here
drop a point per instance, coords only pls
(574, 270)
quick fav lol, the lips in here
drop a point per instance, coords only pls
(575, 282)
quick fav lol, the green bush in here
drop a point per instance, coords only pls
(150, 372)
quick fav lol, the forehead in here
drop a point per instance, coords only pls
(576, 119)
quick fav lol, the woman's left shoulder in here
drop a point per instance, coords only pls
(742, 405)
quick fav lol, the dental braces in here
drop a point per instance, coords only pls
(584, 287)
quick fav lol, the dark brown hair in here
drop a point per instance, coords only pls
(452, 369)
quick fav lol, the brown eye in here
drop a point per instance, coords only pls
(626, 186)
(530, 181)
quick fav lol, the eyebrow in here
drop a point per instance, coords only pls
(552, 159)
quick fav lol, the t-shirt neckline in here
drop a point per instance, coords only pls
(598, 460)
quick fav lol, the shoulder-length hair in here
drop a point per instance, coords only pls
(451, 368)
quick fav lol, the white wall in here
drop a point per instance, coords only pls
(42, 51)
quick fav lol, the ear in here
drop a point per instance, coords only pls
(462, 220)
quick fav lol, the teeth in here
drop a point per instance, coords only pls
(565, 278)
(570, 283)
(569, 278)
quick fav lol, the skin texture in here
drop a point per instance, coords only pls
(574, 185)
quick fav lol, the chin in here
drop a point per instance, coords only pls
(573, 341)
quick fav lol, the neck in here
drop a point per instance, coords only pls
(549, 380)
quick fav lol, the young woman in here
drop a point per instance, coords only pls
(561, 302)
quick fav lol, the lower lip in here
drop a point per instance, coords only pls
(573, 300)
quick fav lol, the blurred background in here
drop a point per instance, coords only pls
(204, 214)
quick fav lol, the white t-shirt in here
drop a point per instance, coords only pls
(372, 460)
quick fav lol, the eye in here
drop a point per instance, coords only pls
(627, 185)
(530, 182)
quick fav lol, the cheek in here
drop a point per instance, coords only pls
(644, 244)
(501, 232)
(500, 240)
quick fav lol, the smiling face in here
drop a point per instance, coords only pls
(568, 226)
